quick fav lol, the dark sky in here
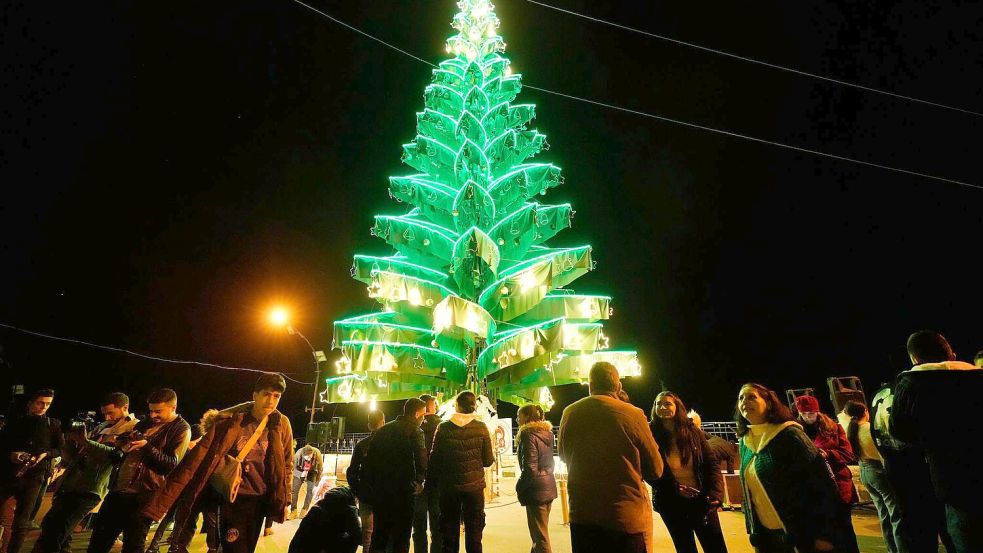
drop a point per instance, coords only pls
(169, 169)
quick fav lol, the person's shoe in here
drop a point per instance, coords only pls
(268, 532)
(292, 515)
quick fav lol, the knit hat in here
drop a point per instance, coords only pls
(807, 404)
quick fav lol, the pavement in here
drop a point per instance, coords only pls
(506, 532)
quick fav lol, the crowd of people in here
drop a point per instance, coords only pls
(418, 479)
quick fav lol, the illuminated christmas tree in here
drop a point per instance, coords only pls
(473, 297)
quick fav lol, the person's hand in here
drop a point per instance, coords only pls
(822, 545)
(134, 445)
(713, 505)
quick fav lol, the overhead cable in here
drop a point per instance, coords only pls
(759, 62)
(676, 121)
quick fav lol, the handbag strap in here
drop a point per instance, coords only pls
(252, 440)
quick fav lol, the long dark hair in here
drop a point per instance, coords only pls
(856, 411)
(776, 412)
(684, 436)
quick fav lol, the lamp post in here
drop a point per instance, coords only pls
(280, 317)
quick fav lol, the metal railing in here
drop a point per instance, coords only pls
(726, 430)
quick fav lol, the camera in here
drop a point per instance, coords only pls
(132, 436)
(83, 422)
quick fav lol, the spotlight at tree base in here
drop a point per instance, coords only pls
(279, 316)
(474, 294)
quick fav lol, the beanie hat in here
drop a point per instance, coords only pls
(270, 381)
(807, 404)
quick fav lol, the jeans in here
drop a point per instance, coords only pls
(393, 523)
(120, 513)
(298, 482)
(368, 521)
(965, 529)
(686, 518)
(882, 495)
(455, 508)
(67, 511)
(427, 509)
(538, 519)
(587, 538)
(16, 507)
(921, 515)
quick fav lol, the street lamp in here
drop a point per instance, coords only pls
(280, 317)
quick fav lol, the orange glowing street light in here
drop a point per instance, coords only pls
(280, 317)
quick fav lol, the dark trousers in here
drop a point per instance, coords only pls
(921, 518)
(455, 508)
(240, 523)
(67, 511)
(16, 507)
(186, 522)
(846, 537)
(120, 514)
(427, 509)
(685, 518)
(393, 522)
(588, 538)
(965, 529)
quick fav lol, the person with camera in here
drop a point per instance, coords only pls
(690, 491)
(86, 480)
(28, 445)
(242, 468)
(145, 457)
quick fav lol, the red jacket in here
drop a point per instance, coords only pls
(839, 454)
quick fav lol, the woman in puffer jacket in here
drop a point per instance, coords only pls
(536, 487)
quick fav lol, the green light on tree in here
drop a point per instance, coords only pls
(473, 297)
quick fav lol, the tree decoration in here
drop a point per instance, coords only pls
(473, 297)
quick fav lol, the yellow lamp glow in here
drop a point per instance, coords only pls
(279, 316)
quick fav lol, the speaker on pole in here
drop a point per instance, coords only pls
(337, 431)
(843, 389)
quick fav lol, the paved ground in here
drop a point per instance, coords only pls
(506, 531)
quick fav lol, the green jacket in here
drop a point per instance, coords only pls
(798, 483)
(90, 466)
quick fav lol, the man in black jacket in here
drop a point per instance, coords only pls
(393, 474)
(462, 450)
(28, 445)
(354, 475)
(145, 458)
(427, 503)
(938, 381)
(330, 527)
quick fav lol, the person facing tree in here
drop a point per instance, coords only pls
(536, 487)
(462, 450)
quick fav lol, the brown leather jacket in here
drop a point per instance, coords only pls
(222, 429)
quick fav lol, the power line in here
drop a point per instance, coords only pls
(142, 355)
(759, 62)
(677, 121)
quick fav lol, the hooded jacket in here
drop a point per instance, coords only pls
(536, 484)
(935, 408)
(222, 429)
(839, 455)
(461, 450)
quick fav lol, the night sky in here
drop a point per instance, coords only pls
(171, 169)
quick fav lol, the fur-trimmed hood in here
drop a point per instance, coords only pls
(214, 416)
(536, 426)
